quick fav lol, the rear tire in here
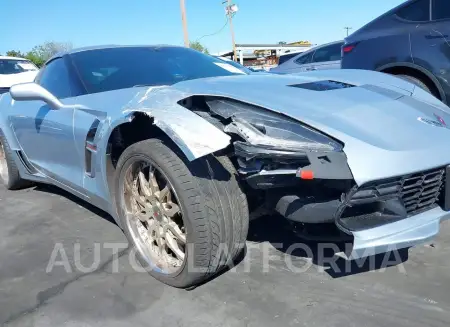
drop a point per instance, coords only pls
(9, 173)
(415, 81)
(213, 210)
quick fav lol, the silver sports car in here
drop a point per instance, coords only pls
(180, 147)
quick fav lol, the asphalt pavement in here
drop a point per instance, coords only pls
(64, 263)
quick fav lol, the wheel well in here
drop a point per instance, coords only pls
(140, 128)
(417, 74)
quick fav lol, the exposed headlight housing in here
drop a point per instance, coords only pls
(267, 129)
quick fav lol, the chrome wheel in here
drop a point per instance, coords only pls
(154, 217)
(4, 175)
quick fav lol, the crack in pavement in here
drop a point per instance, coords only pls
(44, 296)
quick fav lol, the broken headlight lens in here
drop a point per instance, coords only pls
(261, 127)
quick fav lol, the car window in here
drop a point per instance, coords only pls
(55, 79)
(109, 69)
(15, 66)
(328, 53)
(417, 11)
(285, 57)
(304, 59)
(441, 9)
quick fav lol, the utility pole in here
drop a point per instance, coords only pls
(348, 28)
(184, 21)
(231, 9)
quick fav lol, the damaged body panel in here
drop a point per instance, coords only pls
(361, 150)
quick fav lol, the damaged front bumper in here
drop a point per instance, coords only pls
(382, 216)
(306, 177)
(401, 234)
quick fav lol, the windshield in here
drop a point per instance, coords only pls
(15, 66)
(117, 68)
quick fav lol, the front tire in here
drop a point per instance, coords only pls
(186, 220)
(9, 173)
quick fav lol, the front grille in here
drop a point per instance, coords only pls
(419, 192)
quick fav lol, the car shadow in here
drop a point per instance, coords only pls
(281, 234)
(58, 191)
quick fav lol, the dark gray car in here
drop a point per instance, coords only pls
(327, 56)
(411, 41)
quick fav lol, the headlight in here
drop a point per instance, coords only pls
(262, 127)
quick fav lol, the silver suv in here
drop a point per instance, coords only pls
(326, 56)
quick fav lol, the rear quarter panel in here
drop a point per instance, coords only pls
(381, 43)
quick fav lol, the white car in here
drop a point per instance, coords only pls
(15, 70)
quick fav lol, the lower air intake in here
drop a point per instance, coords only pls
(381, 202)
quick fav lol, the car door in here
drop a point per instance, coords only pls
(297, 64)
(430, 40)
(47, 136)
(327, 57)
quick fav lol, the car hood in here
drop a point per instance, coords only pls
(385, 131)
(11, 79)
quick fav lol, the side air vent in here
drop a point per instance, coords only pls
(327, 85)
(28, 166)
(90, 149)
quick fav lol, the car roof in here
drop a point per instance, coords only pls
(12, 58)
(325, 45)
(108, 46)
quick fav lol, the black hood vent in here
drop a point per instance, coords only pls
(327, 85)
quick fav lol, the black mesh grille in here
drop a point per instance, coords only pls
(419, 191)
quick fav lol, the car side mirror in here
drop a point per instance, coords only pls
(32, 91)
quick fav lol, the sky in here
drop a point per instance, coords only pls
(93, 22)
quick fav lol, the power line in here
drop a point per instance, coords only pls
(221, 29)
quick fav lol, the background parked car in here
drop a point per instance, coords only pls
(327, 56)
(411, 41)
(235, 64)
(286, 56)
(15, 70)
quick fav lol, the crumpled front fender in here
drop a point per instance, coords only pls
(195, 136)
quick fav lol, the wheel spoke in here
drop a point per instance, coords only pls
(164, 194)
(128, 185)
(145, 216)
(173, 245)
(153, 183)
(176, 231)
(171, 209)
(144, 185)
(138, 198)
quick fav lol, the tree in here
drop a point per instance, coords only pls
(199, 47)
(48, 49)
(34, 58)
(39, 54)
(14, 53)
